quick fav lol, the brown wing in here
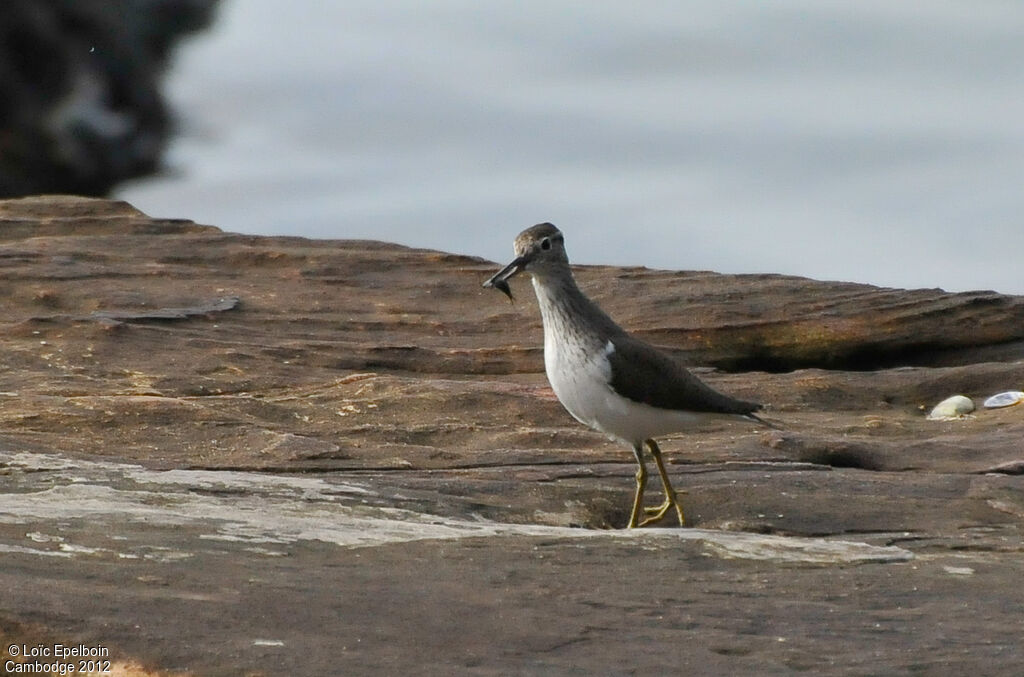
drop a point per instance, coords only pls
(644, 374)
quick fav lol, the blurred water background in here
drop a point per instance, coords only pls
(872, 141)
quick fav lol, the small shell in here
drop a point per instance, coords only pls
(951, 408)
(1004, 399)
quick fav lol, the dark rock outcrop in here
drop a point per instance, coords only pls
(80, 88)
(341, 457)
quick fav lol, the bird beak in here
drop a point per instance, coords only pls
(500, 279)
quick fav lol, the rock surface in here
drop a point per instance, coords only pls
(223, 455)
(81, 90)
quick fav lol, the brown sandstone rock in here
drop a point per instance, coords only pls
(424, 503)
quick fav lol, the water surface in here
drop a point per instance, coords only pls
(872, 141)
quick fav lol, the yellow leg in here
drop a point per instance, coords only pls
(641, 481)
(671, 498)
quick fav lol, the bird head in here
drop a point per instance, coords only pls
(539, 249)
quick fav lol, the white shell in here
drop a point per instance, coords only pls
(951, 408)
(1004, 399)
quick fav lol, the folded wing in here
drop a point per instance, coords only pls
(644, 374)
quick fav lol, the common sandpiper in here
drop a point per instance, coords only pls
(607, 379)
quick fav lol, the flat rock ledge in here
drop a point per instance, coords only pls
(224, 454)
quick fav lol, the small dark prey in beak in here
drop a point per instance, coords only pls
(500, 279)
(502, 286)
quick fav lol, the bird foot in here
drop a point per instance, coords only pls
(657, 513)
(658, 510)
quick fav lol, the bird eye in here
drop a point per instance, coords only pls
(545, 244)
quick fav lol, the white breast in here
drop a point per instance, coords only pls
(579, 380)
(576, 362)
(583, 386)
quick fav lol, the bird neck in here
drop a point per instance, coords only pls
(567, 313)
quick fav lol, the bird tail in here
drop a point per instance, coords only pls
(758, 419)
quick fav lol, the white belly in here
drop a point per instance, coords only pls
(580, 374)
(583, 387)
